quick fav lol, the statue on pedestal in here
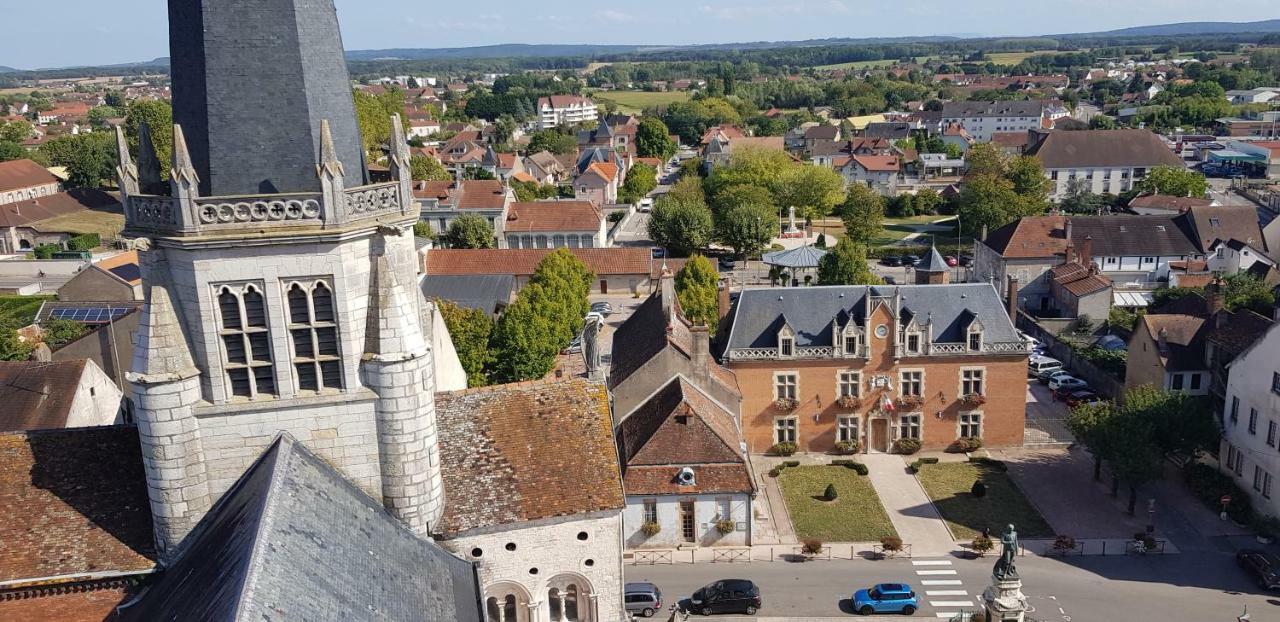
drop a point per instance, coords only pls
(1005, 568)
(1003, 600)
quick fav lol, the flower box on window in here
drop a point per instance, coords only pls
(725, 526)
(786, 404)
(650, 529)
(849, 401)
(973, 399)
(909, 402)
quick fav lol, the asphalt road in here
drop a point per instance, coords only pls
(1172, 588)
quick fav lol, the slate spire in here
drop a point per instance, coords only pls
(252, 80)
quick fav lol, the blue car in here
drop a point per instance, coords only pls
(886, 598)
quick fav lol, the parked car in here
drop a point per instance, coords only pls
(728, 263)
(646, 204)
(1083, 397)
(888, 280)
(886, 598)
(1262, 566)
(1033, 344)
(1068, 381)
(643, 599)
(891, 260)
(1040, 364)
(951, 261)
(910, 260)
(603, 308)
(1049, 374)
(727, 596)
(1061, 394)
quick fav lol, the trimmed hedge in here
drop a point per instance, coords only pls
(998, 465)
(84, 242)
(790, 463)
(1207, 484)
(858, 467)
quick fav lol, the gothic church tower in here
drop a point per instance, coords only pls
(279, 281)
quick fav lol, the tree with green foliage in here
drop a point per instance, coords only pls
(423, 230)
(745, 219)
(863, 214)
(653, 139)
(697, 287)
(985, 159)
(373, 116)
(640, 181)
(158, 117)
(468, 231)
(57, 332)
(11, 347)
(567, 283)
(89, 158)
(987, 201)
(1177, 182)
(813, 190)
(99, 115)
(427, 168)
(15, 131)
(527, 191)
(11, 151)
(1245, 291)
(525, 340)
(763, 168)
(470, 331)
(846, 264)
(558, 141)
(1028, 178)
(688, 189)
(681, 224)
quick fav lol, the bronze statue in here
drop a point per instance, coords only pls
(1005, 568)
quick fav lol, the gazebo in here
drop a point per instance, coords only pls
(800, 258)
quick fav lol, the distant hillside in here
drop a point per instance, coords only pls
(505, 50)
(1194, 28)
(4, 69)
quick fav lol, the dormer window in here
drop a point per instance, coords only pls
(913, 343)
(852, 344)
(974, 338)
(786, 346)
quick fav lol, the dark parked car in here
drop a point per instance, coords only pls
(1082, 397)
(965, 260)
(891, 260)
(888, 280)
(727, 596)
(910, 260)
(728, 263)
(1262, 566)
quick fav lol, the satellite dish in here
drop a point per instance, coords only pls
(685, 477)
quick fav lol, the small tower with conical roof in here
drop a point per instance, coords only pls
(933, 269)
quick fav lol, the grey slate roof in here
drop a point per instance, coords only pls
(1023, 108)
(932, 262)
(800, 257)
(810, 311)
(1104, 148)
(486, 292)
(220, 83)
(1126, 235)
(293, 540)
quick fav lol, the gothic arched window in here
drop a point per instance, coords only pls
(246, 342)
(314, 333)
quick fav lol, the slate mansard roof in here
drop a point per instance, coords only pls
(294, 540)
(524, 452)
(812, 311)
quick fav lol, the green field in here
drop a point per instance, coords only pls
(867, 64)
(1013, 58)
(636, 101)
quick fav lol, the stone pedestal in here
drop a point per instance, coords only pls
(1003, 600)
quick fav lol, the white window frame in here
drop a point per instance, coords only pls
(649, 511)
(981, 381)
(966, 422)
(902, 381)
(793, 430)
(848, 428)
(916, 425)
(846, 378)
(794, 386)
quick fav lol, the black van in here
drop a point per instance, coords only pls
(727, 596)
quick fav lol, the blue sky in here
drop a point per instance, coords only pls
(80, 32)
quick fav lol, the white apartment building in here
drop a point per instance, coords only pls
(565, 110)
(981, 119)
(1100, 161)
(1251, 422)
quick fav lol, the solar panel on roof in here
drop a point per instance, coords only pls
(128, 272)
(89, 315)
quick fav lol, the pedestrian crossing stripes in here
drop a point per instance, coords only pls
(946, 603)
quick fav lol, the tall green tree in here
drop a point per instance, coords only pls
(11, 151)
(846, 264)
(1178, 182)
(427, 168)
(697, 289)
(653, 139)
(640, 181)
(89, 158)
(681, 224)
(468, 231)
(470, 330)
(525, 340)
(745, 219)
(373, 115)
(15, 131)
(763, 168)
(863, 214)
(984, 159)
(158, 116)
(566, 282)
(1245, 291)
(555, 140)
(813, 190)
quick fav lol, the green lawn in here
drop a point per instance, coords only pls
(855, 516)
(19, 311)
(867, 64)
(636, 101)
(1013, 58)
(948, 484)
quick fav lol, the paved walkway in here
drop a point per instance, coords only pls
(772, 524)
(909, 508)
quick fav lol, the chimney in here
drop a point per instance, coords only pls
(1068, 231)
(722, 302)
(1012, 293)
(1070, 251)
(1162, 341)
(1213, 296)
(1086, 251)
(667, 284)
(701, 347)
(984, 233)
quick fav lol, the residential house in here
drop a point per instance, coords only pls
(557, 110)
(981, 119)
(1153, 204)
(617, 270)
(514, 506)
(81, 492)
(71, 394)
(1166, 351)
(875, 364)
(440, 202)
(242, 560)
(1251, 422)
(880, 172)
(423, 127)
(114, 278)
(1078, 290)
(1261, 95)
(598, 184)
(955, 135)
(820, 133)
(504, 166)
(53, 219)
(23, 180)
(1100, 161)
(1012, 143)
(555, 224)
(544, 168)
(888, 130)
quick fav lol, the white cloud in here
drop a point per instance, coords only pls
(614, 16)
